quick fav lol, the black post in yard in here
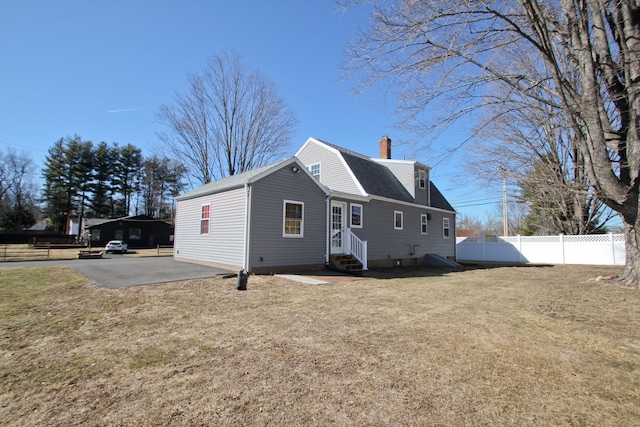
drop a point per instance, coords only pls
(242, 280)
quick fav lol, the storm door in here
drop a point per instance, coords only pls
(338, 210)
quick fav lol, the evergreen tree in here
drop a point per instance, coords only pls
(127, 177)
(102, 187)
(57, 186)
(67, 174)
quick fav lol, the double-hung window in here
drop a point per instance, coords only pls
(205, 214)
(423, 224)
(422, 179)
(293, 219)
(445, 228)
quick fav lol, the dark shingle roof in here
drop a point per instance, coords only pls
(437, 199)
(376, 179)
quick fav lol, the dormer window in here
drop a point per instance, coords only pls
(422, 179)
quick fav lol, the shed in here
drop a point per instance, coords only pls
(139, 231)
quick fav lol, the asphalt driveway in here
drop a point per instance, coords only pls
(116, 271)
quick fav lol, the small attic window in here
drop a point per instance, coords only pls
(315, 170)
(422, 179)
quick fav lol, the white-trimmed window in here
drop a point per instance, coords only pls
(315, 170)
(356, 215)
(293, 219)
(398, 220)
(423, 224)
(445, 228)
(205, 216)
(422, 179)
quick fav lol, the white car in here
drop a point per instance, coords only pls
(116, 246)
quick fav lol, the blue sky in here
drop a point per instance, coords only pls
(101, 69)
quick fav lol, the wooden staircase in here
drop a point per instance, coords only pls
(346, 263)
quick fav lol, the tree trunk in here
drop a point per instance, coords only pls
(631, 273)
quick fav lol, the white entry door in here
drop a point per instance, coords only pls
(338, 213)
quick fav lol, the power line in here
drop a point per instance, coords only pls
(478, 204)
(24, 147)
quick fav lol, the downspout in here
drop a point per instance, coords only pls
(247, 227)
(327, 232)
(455, 238)
(428, 188)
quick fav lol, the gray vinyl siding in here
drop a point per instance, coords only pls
(268, 247)
(385, 242)
(404, 171)
(225, 241)
(407, 173)
(333, 172)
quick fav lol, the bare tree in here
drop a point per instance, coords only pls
(583, 55)
(17, 191)
(489, 225)
(537, 151)
(230, 120)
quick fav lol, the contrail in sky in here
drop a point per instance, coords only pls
(124, 110)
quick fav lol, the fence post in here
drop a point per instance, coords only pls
(5, 253)
(613, 249)
(158, 248)
(562, 246)
(520, 256)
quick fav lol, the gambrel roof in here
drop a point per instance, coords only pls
(378, 180)
(372, 176)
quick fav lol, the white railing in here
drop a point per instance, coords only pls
(356, 247)
(593, 249)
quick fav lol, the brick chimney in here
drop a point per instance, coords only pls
(385, 147)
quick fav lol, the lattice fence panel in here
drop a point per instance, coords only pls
(598, 249)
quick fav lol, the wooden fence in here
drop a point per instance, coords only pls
(164, 250)
(23, 253)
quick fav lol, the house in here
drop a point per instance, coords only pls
(139, 231)
(325, 205)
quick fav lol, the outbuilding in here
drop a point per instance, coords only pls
(139, 231)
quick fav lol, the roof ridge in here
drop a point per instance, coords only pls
(346, 150)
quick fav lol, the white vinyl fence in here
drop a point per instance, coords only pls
(595, 249)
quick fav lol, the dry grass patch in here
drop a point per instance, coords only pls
(511, 345)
